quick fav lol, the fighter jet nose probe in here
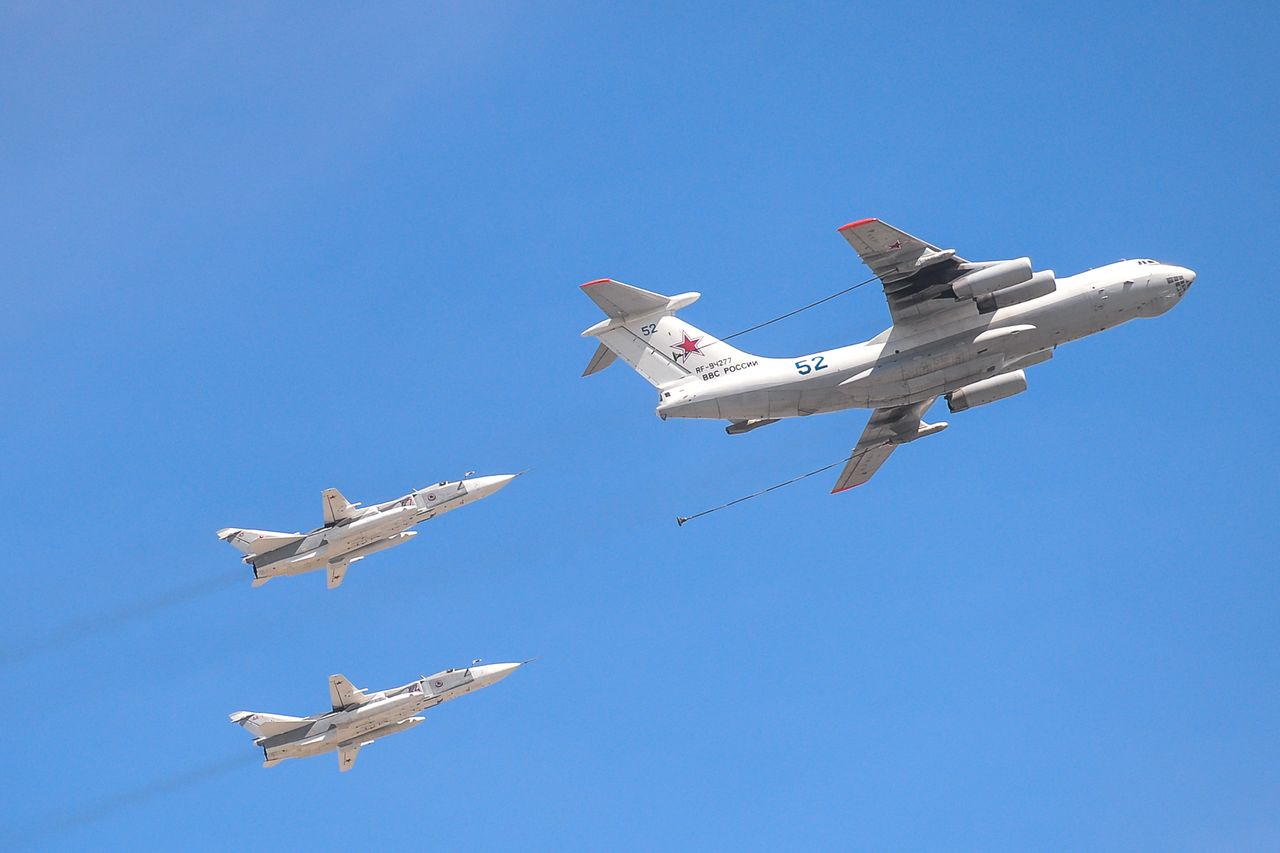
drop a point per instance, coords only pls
(482, 487)
(358, 718)
(965, 331)
(352, 532)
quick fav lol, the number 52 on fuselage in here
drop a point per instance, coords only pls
(961, 330)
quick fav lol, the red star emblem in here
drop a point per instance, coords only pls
(687, 347)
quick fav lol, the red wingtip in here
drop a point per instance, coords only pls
(856, 223)
(597, 281)
(845, 489)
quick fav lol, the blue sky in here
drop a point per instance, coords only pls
(258, 250)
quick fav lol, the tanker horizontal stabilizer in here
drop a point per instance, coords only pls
(642, 329)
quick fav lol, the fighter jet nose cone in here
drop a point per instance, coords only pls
(485, 486)
(492, 673)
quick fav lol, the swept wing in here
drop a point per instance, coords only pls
(916, 275)
(888, 427)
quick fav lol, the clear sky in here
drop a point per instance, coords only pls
(252, 251)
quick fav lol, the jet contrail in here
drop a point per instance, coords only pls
(131, 798)
(107, 620)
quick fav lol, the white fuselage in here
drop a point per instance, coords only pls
(911, 363)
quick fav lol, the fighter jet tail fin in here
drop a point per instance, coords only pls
(337, 508)
(643, 331)
(344, 694)
(255, 542)
(264, 725)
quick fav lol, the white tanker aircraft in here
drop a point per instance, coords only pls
(961, 330)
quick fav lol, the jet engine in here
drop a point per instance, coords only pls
(987, 391)
(1041, 284)
(998, 276)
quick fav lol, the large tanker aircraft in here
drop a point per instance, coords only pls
(962, 330)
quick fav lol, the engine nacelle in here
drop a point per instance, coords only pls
(987, 391)
(998, 276)
(1041, 284)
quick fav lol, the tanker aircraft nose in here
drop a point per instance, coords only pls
(492, 673)
(1181, 278)
(482, 487)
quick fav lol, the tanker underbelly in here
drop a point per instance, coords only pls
(762, 403)
(877, 393)
(900, 379)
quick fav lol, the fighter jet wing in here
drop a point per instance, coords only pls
(347, 756)
(344, 694)
(887, 428)
(916, 275)
(337, 508)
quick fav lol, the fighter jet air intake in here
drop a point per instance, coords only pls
(350, 532)
(358, 718)
(962, 330)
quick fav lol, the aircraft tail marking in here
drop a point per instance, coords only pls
(643, 331)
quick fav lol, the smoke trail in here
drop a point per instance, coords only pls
(99, 623)
(127, 799)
